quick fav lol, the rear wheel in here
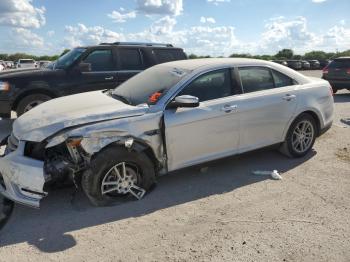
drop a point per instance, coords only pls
(116, 173)
(29, 102)
(300, 137)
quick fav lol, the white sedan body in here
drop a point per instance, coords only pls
(245, 104)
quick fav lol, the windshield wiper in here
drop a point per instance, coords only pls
(121, 98)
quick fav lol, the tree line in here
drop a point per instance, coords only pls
(286, 54)
(283, 54)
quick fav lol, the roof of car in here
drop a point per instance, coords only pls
(192, 64)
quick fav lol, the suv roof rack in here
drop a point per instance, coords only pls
(138, 43)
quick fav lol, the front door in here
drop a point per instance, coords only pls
(210, 131)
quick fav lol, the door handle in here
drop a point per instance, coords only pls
(229, 108)
(289, 97)
(109, 78)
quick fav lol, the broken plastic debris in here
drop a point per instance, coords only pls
(128, 143)
(274, 174)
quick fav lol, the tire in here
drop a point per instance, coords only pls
(6, 208)
(31, 101)
(292, 147)
(104, 162)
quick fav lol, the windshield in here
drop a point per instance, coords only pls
(150, 85)
(69, 58)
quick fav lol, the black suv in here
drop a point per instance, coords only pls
(337, 73)
(82, 69)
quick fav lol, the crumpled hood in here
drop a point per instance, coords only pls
(58, 114)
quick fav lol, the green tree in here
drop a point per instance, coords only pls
(285, 53)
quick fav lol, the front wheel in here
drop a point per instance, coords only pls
(31, 101)
(300, 137)
(116, 172)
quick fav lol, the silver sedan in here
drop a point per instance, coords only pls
(170, 116)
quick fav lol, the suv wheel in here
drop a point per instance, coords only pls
(115, 173)
(300, 137)
(29, 102)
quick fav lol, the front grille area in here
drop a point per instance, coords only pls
(12, 143)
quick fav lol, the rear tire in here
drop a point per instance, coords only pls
(300, 137)
(93, 179)
(30, 102)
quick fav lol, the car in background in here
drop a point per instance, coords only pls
(9, 64)
(82, 69)
(305, 64)
(324, 63)
(295, 64)
(117, 142)
(337, 73)
(281, 62)
(26, 63)
(314, 64)
(43, 64)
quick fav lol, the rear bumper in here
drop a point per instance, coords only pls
(325, 128)
(22, 178)
(339, 84)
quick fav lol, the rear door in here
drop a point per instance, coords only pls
(130, 63)
(267, 106)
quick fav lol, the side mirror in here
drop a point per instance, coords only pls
(184, 101)
(84, 67)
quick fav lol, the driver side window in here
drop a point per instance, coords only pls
(212, 85)
(100, 60)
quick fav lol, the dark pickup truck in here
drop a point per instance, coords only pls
(82, 69)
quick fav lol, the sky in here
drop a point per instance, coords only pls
(202, 27)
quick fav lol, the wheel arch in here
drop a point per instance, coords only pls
(310, 112)
(40, 88)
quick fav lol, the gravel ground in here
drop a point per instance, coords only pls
(222, 213)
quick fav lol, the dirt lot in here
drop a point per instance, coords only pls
(223, 213)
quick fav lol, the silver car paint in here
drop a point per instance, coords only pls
(193, 135)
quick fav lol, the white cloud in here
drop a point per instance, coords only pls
(207, 20)
(119, 17)
(283, 33)
(337, 37)
(162, 7)
(24, 38)
(318, 1)
(51, 33)
(217, 2)
(21, 13)
(82, 35)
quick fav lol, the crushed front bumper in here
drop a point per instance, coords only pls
(22, 178)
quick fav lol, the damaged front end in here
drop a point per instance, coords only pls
(27, 169)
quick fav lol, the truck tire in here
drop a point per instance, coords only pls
(30, 102)
(137, 169)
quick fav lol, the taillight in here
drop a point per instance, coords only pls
(325, 70)
(348, 71)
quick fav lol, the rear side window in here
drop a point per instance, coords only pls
(282, 80)
(340, 63)
(167, 55)
(100, 60)
(256, 79)
(130, 59)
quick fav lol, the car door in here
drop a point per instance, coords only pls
(267, 106)
(130, 63)
(209, 131)
(103, 74)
